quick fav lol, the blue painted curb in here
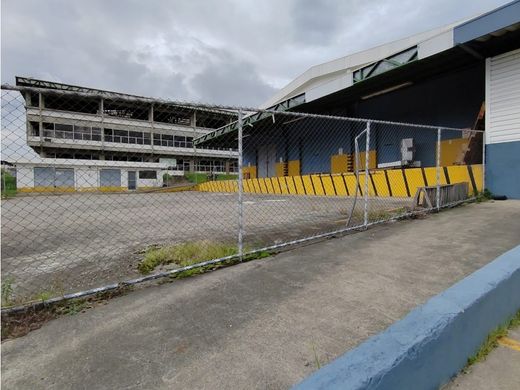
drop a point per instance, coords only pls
(433, 342)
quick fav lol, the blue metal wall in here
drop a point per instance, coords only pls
(503, 169)
(451, 100)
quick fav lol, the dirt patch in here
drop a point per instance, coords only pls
(20, 323)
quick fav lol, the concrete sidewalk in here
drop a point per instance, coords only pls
(500, 370)
(267, 323)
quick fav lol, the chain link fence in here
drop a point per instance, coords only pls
(102, 189)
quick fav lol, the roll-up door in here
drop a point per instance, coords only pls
(64, 177)
(110, 178)
(43, 177)
(503, 98)
(53, 177)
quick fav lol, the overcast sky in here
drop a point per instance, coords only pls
(229, 51)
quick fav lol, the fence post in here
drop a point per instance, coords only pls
(240, 189)
(367, 157)
(195, 163)
(483, 161)
(438, 190)
(4, 188)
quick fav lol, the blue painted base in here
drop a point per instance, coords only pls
(503, 169)
(432, 343)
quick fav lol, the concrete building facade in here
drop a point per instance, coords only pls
(91, 124)
(74, 175)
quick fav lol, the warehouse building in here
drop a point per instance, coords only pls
(465, 75)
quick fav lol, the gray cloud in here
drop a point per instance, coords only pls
(231, 51)
(317, 22)
(225, 78)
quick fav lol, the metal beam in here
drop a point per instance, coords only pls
(252, 118)
(395, 61)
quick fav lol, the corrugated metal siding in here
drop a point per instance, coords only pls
(503, 106)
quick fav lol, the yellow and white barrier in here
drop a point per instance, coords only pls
(384, 183)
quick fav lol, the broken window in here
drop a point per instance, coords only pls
(34, 129)
(63, 131)
(128, 110)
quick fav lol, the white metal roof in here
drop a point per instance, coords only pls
(331, 76)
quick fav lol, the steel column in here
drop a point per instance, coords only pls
(367, 157)
(438, 191)
(240, 189)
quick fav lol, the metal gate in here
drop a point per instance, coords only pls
(267, 161)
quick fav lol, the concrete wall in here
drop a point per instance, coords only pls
(24, 177)
(147, 183)
(432, 343)
(87, 178)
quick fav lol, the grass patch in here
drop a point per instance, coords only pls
(8, 183)
(223, 176)
(7, 291)
(225, 263)
(199, 178)
(196, 178)
(184, 254)
(190, 253)
(491, 341)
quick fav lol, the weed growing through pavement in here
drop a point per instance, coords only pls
(184, 254)
(483, 196)
(316, 358)
(7, 290)
(491, 341)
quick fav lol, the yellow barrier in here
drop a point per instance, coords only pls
(339, 185)
(382, 183)
(300, 189)
(397, 182)
(415, 179)
(328, 185)
(317, 185)
(431, 176)
(307, 185)
(350, 183)
(379, 180)
(477, 176)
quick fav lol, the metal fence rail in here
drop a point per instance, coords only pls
(103, 189)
